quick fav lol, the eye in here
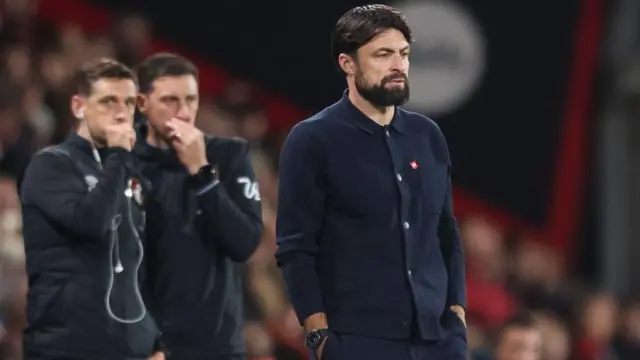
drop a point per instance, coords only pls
(108, 101)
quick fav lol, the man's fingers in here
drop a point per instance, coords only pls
(177, 144)
(171, 125)
(157, 356)
(183, 127)
(174, 133)
(174, 129)
(176, 138)
(182, 137)
(177, 125)
(182, 132)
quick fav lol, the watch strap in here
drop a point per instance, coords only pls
(206, 175)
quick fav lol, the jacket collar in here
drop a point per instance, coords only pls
(85, 146)
(145, 151)
(362, 121)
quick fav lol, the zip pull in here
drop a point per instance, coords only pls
(386, 130)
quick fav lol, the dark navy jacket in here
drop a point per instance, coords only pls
(365, 226)
(77, 218)
(200, 233)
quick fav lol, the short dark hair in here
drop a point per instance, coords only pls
(361, 24)
(522, 320)
(95, 70)
(161, 65)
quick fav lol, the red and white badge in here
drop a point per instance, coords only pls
(136, 191)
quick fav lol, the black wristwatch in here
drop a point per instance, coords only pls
(315, 338)
(206, 175)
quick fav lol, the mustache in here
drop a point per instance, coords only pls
(395, 77)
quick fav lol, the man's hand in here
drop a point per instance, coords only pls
(188, 142)
(320, 349)
(317, 321)
(459, 310)
(121, 135)
(157, 356)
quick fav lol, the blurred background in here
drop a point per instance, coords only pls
(538, 101)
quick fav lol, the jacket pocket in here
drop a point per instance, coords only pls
(46, 303)
(331, 345)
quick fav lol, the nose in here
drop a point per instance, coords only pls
(123, 112)
(399, 63)
(183, 113)
(122, 117)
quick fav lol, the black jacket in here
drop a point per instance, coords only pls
(77, 223)
(365, 226)
(202, 231)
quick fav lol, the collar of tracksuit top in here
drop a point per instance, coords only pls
(85, 146)
(167, 158)
(202, 271)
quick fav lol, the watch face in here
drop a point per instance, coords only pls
(211, 171)
(206, 170)
(207, 173)
(314, 339)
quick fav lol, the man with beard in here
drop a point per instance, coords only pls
(367, 240)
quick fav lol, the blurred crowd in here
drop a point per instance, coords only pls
(520, 298)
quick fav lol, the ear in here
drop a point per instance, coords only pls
(347, 64)
(142, 101)
(77, 106)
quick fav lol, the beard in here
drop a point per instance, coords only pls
(381, 96)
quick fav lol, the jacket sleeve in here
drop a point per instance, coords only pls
(52, 184)
(301, 207)
(451, 246)
(231, 210)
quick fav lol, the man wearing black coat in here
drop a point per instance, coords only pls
(207, 203)
(367, 240)
(84, 236)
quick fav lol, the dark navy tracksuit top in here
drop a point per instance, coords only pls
(365, 228)
(200, 233)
